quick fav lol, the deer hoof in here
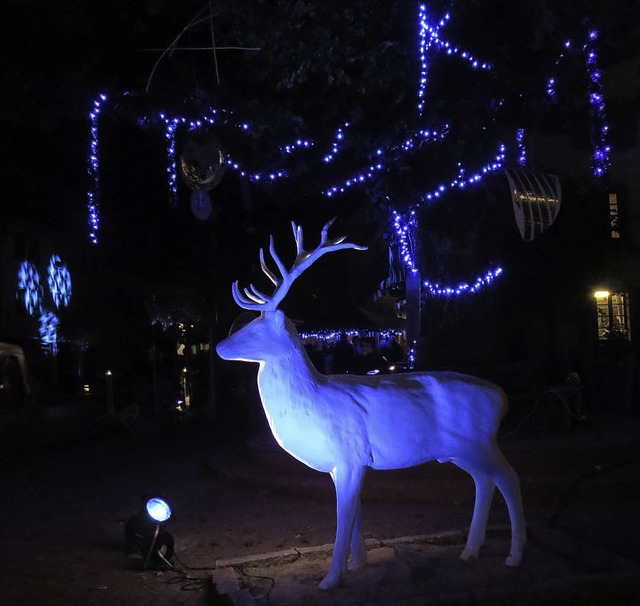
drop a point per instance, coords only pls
(329, 582)
(469, 554)
(513, 560)
(358, 561)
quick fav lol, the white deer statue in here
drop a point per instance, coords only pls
(343, 424)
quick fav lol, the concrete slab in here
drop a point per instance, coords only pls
(427, 570)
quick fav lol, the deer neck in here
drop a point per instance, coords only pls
(282, 382)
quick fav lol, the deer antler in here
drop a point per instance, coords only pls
(252, 298)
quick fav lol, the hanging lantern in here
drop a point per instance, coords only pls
(536, 201)
(202, 164)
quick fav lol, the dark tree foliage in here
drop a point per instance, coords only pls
(292, 68)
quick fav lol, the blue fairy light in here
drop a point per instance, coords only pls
(297, 144)
(522, 149)
(431, 43)
(461, 181)
(600, 161)
(416, 140)
(170, 135)
(413, 354)
(435, 289)
(404, 230)
(336, 144)
(429, 38)
(551, 88)
(93, 166)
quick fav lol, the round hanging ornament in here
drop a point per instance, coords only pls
(202, 165)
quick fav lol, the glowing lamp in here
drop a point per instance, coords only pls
(145, 533)
(601, 294)
(158, 509)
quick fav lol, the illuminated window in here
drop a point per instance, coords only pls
(613, 315)
(614, 220)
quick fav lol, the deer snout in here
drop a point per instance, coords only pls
(223, 350)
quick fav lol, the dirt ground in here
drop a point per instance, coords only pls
(63, 510)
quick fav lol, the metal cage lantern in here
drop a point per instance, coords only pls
(536, 201)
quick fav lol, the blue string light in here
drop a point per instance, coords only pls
(416, 140)
(413, 354)
(336, 144)
(429, 37)
(425, 45)
(170, 134)
(437, 290)
(404, 230)
(430, 41)
(461, 182)
(522, 148)
(93, 169)
(299, 143)
(601, 150)
(600, 161)
(551, 81)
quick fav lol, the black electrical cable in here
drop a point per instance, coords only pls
(193, 583)
(186, 581)
(266, 578)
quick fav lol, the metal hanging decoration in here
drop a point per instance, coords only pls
(202, 165)
(536, 201)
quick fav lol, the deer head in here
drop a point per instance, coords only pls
(263, 339)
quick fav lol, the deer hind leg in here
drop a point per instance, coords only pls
(358, 547)
(508, 484)
(481, 508)
(348, 484)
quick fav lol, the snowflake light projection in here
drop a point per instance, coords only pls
(49, 331)
(59, 280)
(28, 291)
(30, 294)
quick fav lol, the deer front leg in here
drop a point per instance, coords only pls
(348, 482)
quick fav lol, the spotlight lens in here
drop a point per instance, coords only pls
(158, 509)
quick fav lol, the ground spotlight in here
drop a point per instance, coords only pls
(145, 533)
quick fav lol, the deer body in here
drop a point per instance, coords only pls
(344, 424)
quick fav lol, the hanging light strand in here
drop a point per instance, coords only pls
(93, 170)
(600, 129)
